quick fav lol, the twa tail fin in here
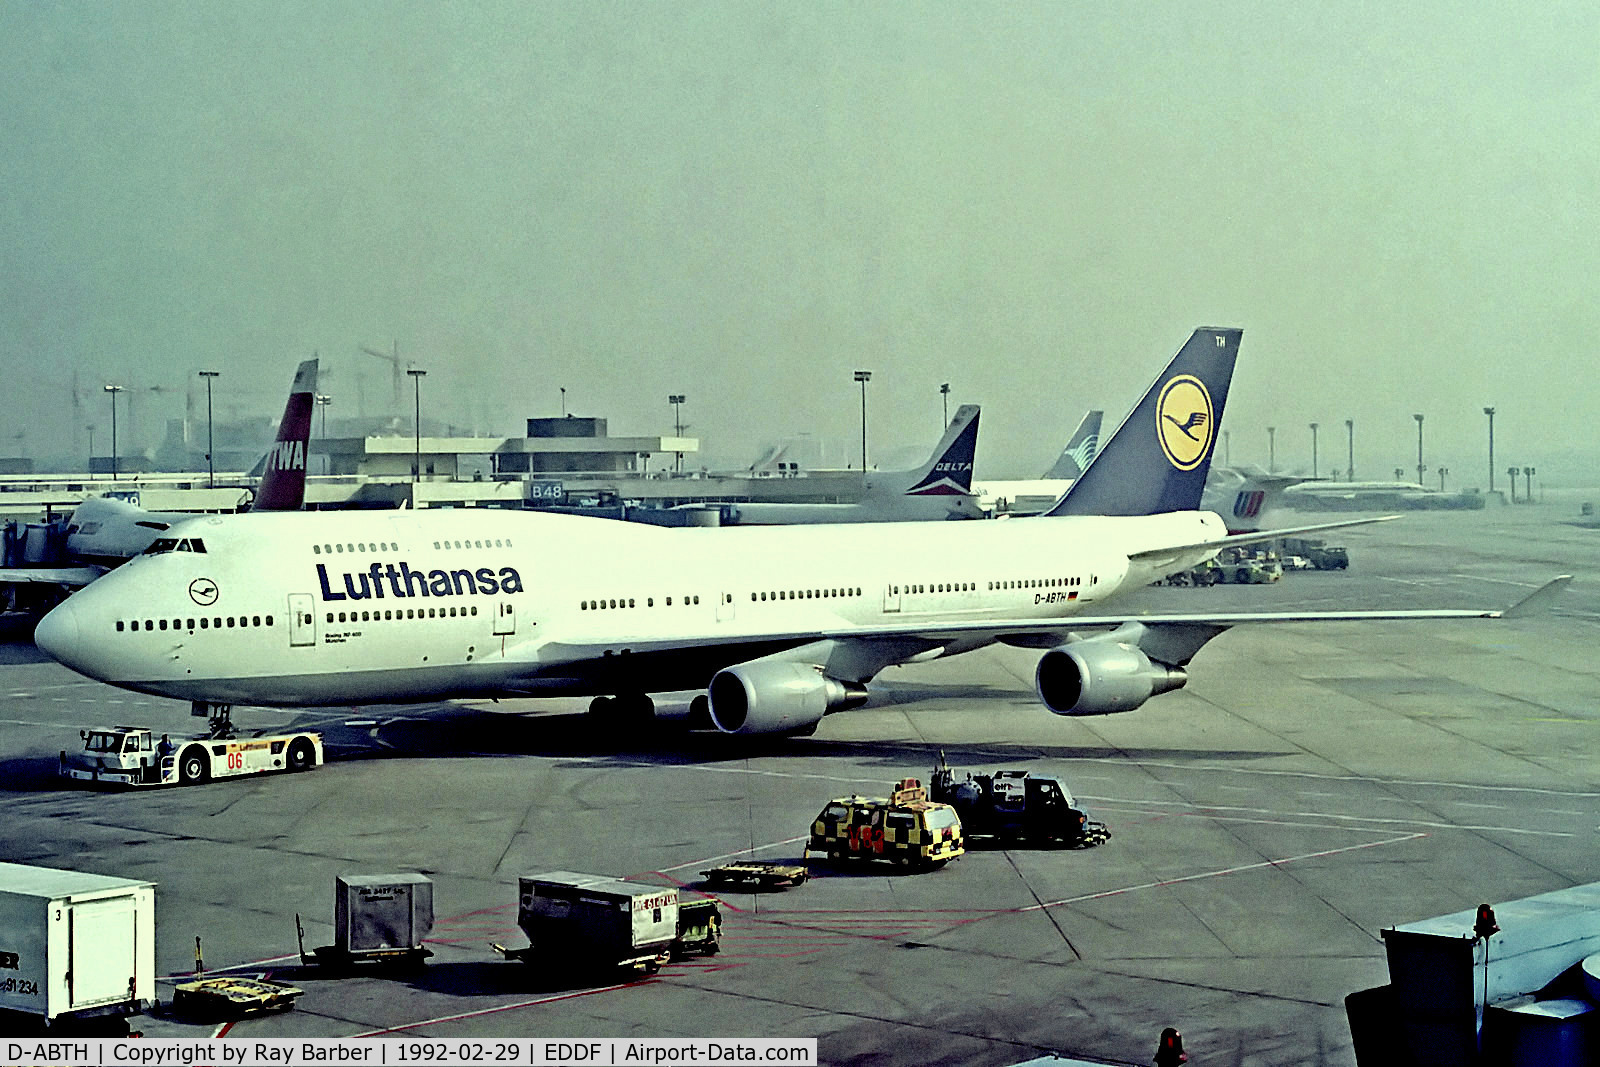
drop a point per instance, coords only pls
(1080, 450)
(283, 485)
(1157, 460)
(948, 471)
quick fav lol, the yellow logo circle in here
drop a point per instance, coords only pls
(1183, 421)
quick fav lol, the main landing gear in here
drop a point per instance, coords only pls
(629, 709)
(219, 718)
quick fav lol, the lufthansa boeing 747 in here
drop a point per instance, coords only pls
(775, 626)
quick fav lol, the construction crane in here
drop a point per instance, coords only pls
(398, 369)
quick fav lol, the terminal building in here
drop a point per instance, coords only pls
(569, 462)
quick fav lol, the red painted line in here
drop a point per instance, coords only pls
(501, 1008)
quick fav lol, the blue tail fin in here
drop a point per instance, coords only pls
(1157, 460)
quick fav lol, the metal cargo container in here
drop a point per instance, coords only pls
(379, 912)
(589, 919)
(75, 944)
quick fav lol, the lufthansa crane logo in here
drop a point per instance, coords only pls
(1183, 421)
(203, 591)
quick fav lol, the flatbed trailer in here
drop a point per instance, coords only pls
(227, 997)
(756, 875)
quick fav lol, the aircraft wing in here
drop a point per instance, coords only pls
(1255, 537)
(70, 577)
(1172, 638)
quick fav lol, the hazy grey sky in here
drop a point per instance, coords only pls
(744, 202)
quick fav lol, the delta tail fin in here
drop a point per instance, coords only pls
(283, 483)
(948, 471)
(1157, 460)
(1080, 450)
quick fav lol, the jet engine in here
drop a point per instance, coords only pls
(777, 698)
(1099, 675)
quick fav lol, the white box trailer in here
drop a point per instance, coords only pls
(591, 922)
(75, 944)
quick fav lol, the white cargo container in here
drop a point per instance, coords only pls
(75, 944)
(589, 921)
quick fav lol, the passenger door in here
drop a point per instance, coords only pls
(302, 620)
(505, 618)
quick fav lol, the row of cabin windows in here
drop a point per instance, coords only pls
(392, 614)
(807, 594)
(216, 623)
(629, 602)
(1038, 583)
(938, 587)
(363, 546)
(484, 543)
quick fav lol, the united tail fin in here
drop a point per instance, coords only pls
(1157, 460)
(948, 471)
(1080, 450)
(283, 485)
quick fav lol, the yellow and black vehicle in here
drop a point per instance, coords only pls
(906, 828)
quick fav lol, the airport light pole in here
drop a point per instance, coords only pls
(1272, 449)
(211, 467)
(863, 376)
(563, 401)
(113, 390)
(1511, 472)
(1442, 472)
(944, 392)
(322, 401)
(1420, 468)
(1313, 450)
(1490, 412)
(1528, 473)
(90, 428)
(1350, 448)
(676, 399)
(416, 383)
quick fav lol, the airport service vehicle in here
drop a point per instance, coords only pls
(1017, 807)
(1206, 574)
(132, 756)
(774, 627)
(756, 876)
(589, 922)
(905, 828)
(377, 918)
(74, 946)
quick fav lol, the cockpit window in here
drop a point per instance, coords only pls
(173, 544)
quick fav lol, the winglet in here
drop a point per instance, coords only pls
(1539, 600)
(283, 486)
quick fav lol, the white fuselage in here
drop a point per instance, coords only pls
(314, 609)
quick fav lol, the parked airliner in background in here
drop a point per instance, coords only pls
(104, 531)
(939, 489)
(1033, 495)
(776, 626)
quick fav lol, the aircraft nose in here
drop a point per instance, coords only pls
(57, 633)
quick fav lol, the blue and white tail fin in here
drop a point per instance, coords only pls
(948, 471)
(1080, 450)
(1157, 460)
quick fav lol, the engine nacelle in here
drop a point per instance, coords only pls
(777, 698)
(1096, 677)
